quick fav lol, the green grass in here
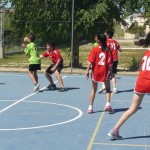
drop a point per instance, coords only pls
(125, 58)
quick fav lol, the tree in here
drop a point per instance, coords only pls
(52, 18)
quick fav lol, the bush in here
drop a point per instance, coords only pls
(135, 64)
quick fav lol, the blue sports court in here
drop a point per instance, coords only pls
(52, 120)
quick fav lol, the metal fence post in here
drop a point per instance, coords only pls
(1, 32)
(72, 35)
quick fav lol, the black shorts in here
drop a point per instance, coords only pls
(114, 67)
(59, 68)
(34, 67)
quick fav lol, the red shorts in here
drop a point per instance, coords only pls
(142, 87)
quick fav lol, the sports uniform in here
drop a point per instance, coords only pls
(114, 46)
(34, 58)
(142, 84)
(54, 55)
(101, 62)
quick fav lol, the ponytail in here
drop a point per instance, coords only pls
(102, 38)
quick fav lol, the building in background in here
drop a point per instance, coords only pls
(139, 20)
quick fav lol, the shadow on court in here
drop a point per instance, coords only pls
(2, 83)
(99, 111)
(134, 137)
(137, 137)
(123, 91)
(57, 89)
(123, 109)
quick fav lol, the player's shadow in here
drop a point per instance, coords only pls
(123, 91)
(57, 89)
(71, 88)
(123, 109)
(98, 111)
(2, 83)
(134, 137)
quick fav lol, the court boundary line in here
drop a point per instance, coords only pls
(127, 145)
(96, 129)
(24, 98)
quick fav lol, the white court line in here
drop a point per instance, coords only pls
(6, 108)
(80, 113)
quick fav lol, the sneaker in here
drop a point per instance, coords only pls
(109, 109)
(52, 86)
(90, 111)
(101, 89)
(115, 90)
(62, 89)
(36, 88)
(114, 135)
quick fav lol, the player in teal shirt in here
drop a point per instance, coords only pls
(31, 51)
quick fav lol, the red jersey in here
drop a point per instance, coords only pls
(101, 62)
(114, 46)
(142, 84)
(53, 55)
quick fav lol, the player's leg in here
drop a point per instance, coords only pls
(92, 96)
(102, 88)
(114, 80)
(48, 73)
(60, 81)
(33, 77)
(136, 101)
(108, 97)
(49, 78)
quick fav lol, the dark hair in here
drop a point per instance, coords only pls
(144, 42)
(31, 36)
(109, 33)
(52, 43)
(102, 38)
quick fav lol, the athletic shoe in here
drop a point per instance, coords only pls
(101, 89)
(52, 86)
(115, 90)
(62, 89)
(90, 111)
(109, 109)
(114, 135)
(36, 88)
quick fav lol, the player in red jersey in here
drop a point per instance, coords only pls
(55, 67)
(142, 87)
(100, 59)
(115, 47)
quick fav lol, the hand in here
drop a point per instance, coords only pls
(24, 45)
(53, 69)
(87, 74)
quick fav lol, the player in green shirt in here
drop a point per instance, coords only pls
(31, 51)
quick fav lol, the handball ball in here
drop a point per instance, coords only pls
(25, 39)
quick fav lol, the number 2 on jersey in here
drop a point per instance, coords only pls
(102, 58)
(146, 63)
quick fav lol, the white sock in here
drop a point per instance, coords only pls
(90, 107)
(107, 104)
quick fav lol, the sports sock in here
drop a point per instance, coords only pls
(107, 104)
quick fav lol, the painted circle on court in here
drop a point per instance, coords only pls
(80, 113)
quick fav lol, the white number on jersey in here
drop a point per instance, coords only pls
(146, 63)
(113, 46)
(102, 57)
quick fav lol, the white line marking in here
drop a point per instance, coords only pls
(6, 108)
(80, 113)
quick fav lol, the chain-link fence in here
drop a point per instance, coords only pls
(74, 47)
